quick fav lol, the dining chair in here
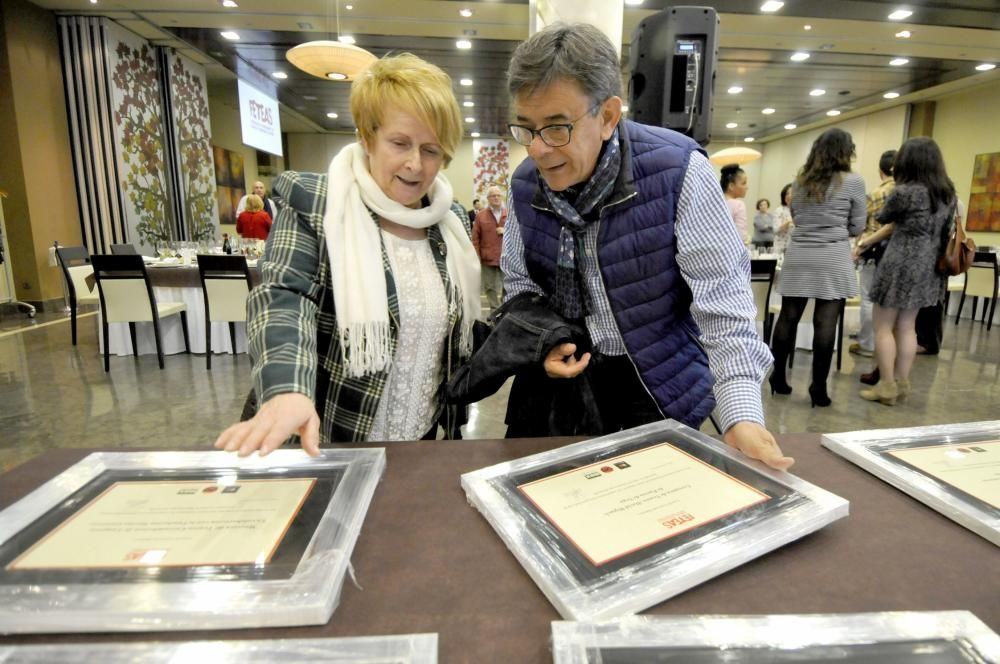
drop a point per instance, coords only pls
(127, 297)
(225, 283)
(123, 250)
(981, 282)
(762, 271)
(76, 268)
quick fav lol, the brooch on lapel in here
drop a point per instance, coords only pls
(443, 248)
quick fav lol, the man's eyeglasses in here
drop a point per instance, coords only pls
(553, 135)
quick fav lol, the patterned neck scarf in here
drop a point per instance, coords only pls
(570, 297)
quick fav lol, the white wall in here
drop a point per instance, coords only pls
(965, 124)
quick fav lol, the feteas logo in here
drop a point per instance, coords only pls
(261, 113)
(677, 519)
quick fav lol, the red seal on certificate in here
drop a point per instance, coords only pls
(210, 489)
(606, 469)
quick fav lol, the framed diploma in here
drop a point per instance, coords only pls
(933, 637)
(400, 649)
(184, 540)
(614, 525)
(953, 468)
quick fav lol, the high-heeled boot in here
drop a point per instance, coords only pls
(883, 392)
(818, 396)
(778, 384)
(903, 388)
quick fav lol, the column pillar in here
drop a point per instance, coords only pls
(605, 15)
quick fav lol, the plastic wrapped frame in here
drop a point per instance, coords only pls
(869, 449)
(307, 594)
(599, 592)
(957, 635)
(401, 649)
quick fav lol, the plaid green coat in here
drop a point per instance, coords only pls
(292, 322)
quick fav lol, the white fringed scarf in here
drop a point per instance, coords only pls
(355, 250)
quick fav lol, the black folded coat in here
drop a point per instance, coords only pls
(522, 333)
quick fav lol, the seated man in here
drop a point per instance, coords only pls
(623, 226)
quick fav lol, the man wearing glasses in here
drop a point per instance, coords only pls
(623, 226)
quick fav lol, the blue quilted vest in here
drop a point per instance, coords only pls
(636, 254)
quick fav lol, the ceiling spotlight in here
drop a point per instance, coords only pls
(791, 125)
(230, 35)
(633, 3)
(898, 62)
(470, 120)
(735, 90)
(833, 113)
(799, 56)
(346, 39)
(280, 75)
(807, 27)
(468, 104)
(986, 66)
(230, 4)
(818, 92)
(463, 44)
(348, 7)
(465, 13)
(900, 14)
(748, 139)
(474, 134)
(336, 76)
(332, 116)
(767, 111)
(771, 6)
(465, 81)
(890, 95)
(904, 34)
(731, 125)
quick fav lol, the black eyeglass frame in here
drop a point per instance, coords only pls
(568, 126)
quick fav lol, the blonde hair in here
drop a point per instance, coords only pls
(414, 86)
(254, 204)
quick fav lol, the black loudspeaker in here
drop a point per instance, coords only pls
(672, 64)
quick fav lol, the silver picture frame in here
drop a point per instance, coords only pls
(397, 649)
(870, 449)
(305, 592)
(913, 637)
(581, 591)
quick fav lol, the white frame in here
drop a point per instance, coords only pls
(641, 585)
(570, 640)
(863, 449)
(308, 597)
(401, 649)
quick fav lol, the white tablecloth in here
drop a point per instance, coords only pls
(170, 329)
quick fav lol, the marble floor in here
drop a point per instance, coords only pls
(53, 394)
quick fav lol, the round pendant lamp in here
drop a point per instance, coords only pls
(734, 155)
(330, 60)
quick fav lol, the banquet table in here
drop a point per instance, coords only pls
(177, 283)
(427, 561)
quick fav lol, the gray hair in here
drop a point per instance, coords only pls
(578, 52)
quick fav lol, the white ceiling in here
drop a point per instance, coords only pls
(850, 42)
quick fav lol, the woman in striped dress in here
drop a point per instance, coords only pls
(828, 203)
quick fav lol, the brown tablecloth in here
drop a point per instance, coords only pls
(428, 562)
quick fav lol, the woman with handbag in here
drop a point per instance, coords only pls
(917, 218)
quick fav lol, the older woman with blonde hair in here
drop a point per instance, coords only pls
(370, 283)
(254, 222)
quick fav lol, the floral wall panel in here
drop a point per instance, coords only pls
(193, 145)
(137, 107)
(491, 163)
